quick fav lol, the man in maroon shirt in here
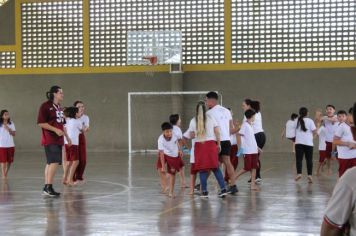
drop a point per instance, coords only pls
(51, 120)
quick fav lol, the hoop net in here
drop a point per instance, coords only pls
(150, 61)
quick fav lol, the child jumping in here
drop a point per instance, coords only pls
(73, 127)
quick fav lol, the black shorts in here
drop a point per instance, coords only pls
(53, 153)
(225, 148)
(260, 139)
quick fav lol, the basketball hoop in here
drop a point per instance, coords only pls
(150, 61)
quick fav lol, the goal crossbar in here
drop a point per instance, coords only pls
(130, 94)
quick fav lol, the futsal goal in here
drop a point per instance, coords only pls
(148, 110)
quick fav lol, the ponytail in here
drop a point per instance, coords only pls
(200, 120)
(303, 112)
(50, 93)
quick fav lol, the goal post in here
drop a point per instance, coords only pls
(130, 97)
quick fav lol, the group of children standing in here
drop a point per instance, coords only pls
(337, 139)
(215, 138)
(59, 127)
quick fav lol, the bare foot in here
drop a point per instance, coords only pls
(171, 195)
(255, 188)
(164, 190)
(310, 179)
(298, 177)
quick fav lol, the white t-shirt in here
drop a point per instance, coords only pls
(187, 135)
(177, 132)
(6, 139)
(257, 124)
(233, 139)
(73, 127)
(169, 147)
(84, 120)
(209, 129)
(306, 137)
(322, 136)
(344, 133)
(248, 140)
(330, 129)
(223, 118)
(342, 204)
(291, 126)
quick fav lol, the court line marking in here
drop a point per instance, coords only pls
(126, 189)
(194, 197)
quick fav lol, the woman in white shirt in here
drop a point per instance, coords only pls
(206, 148)
(304, 135)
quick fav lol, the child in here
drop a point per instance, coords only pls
(7, 146)
(73, 127)
(84, 119)
(175, 121)
(289, 131)
(331, 124)
(169, 152)
(250, 148)
(234, 149)
(322, 146)
(346, 144)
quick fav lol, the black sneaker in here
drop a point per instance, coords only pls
(232, 189)
(222, 193)
(204, 195)
(197, 187)
(49, 191)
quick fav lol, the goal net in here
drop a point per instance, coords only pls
(148, 110)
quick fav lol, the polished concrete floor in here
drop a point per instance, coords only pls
(121, 197)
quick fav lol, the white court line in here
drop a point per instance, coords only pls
(126, 189)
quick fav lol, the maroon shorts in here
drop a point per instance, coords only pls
(329, 149)
(292, 139)
(174, 164)
(206, 155)
(7, 154)
(193, 171)
(158, 163)
(322, 156)
(345, 164)
(72, 152)
(250, 162)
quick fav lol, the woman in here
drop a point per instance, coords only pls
(304, 135)
(51, 120)
(206, 148)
